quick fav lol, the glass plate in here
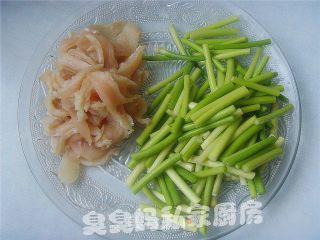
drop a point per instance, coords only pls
(102, 188)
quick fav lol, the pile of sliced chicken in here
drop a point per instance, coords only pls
(92, 99)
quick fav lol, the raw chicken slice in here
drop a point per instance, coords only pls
(137, 108)
(61, 129)
(108, 52)
(109, 93)
(107, 89)
(98, 109)
(82, 128)
(70, 86)
(82, 99)
(132, 63)
(139, 77)
(124, 36)
(68, 43)
(67, 104)
(70, 63)
(69, 168)
(114, 131)
(53, 105)
(111, 152)
(78, 53)
(126, 86)
(96, 46)
(51, 122)
(84, 150)
(52, 80)
(61, 143)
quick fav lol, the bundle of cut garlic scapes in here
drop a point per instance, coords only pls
(92, 95)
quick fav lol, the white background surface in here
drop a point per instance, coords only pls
(26, 213)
